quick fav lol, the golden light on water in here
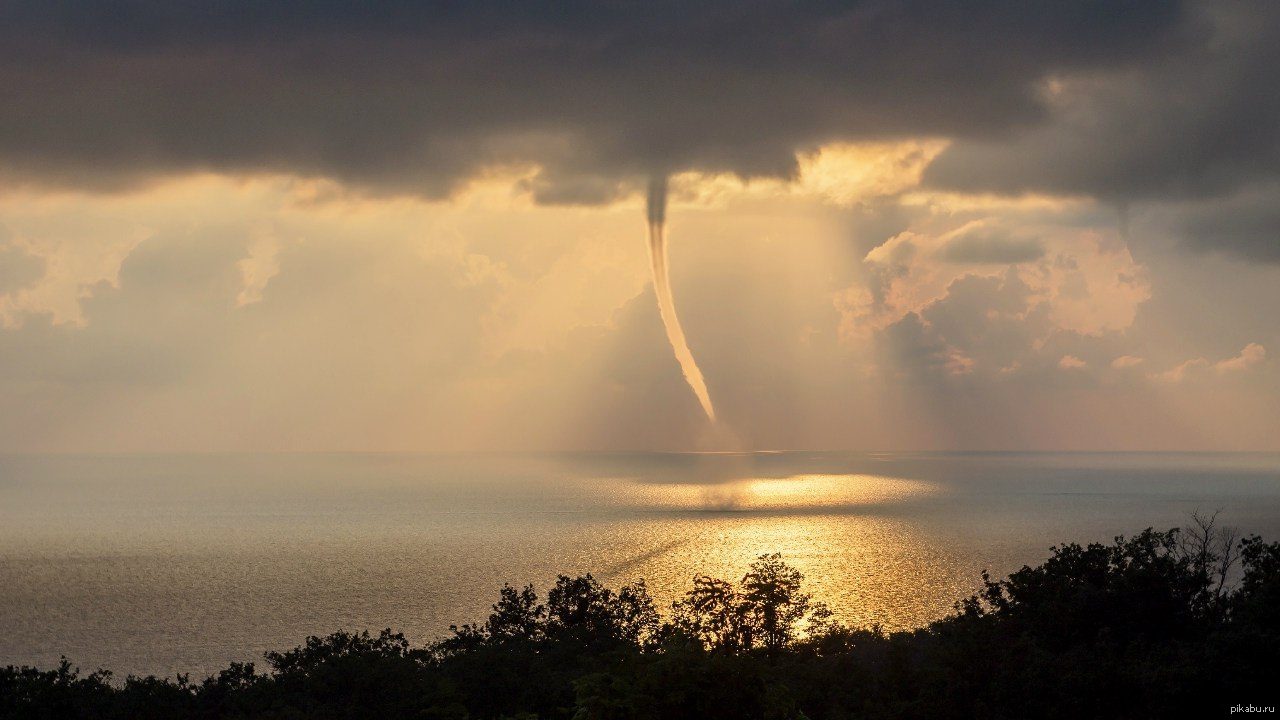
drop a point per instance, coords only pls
(791, 494)
(816, 491)
(305, 543)
(852, 535)
(870, 569)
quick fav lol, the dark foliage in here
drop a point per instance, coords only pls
(1183, 623)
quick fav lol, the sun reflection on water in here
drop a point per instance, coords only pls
(873, 563)
(810, 492)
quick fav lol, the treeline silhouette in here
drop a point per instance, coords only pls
(1181, 623)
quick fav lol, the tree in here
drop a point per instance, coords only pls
(712, 613)
(517, 615)
(583, 610)
(773, 602)
(766, 609)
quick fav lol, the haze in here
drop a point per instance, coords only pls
(891, 226)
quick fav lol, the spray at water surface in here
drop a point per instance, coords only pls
(657, 212)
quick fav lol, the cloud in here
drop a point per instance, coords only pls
(257, 269)
(54, 275)
(1071, 362)
(1179, 372)
(492, 322)
(417, 98)
(1085, 281)
(982, 247)
(1192, 136)
(1245, 225)
(916, 349)
(1201, 122)
(984, 331)
(18, 267)
(1251, 355)
(1126, 361)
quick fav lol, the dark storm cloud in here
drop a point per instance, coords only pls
(414, 97)
(1246, 225)
(1203, 124)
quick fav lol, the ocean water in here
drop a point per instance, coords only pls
(183, 563)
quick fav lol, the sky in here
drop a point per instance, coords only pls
(297, 226)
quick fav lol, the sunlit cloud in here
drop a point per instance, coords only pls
(817, 305)
(72, 268)
(1127, 361)
(1071, 362)
(1086, 281)
(257, 269)
(1250, 356)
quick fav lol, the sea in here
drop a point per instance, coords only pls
(166, 564)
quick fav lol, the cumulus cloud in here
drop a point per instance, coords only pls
(418, 97)
(978, 246)
(1071, 362)
(1179, 372)
(1085, 281)
(1251, 355)
(52, 276)
(984, 329)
